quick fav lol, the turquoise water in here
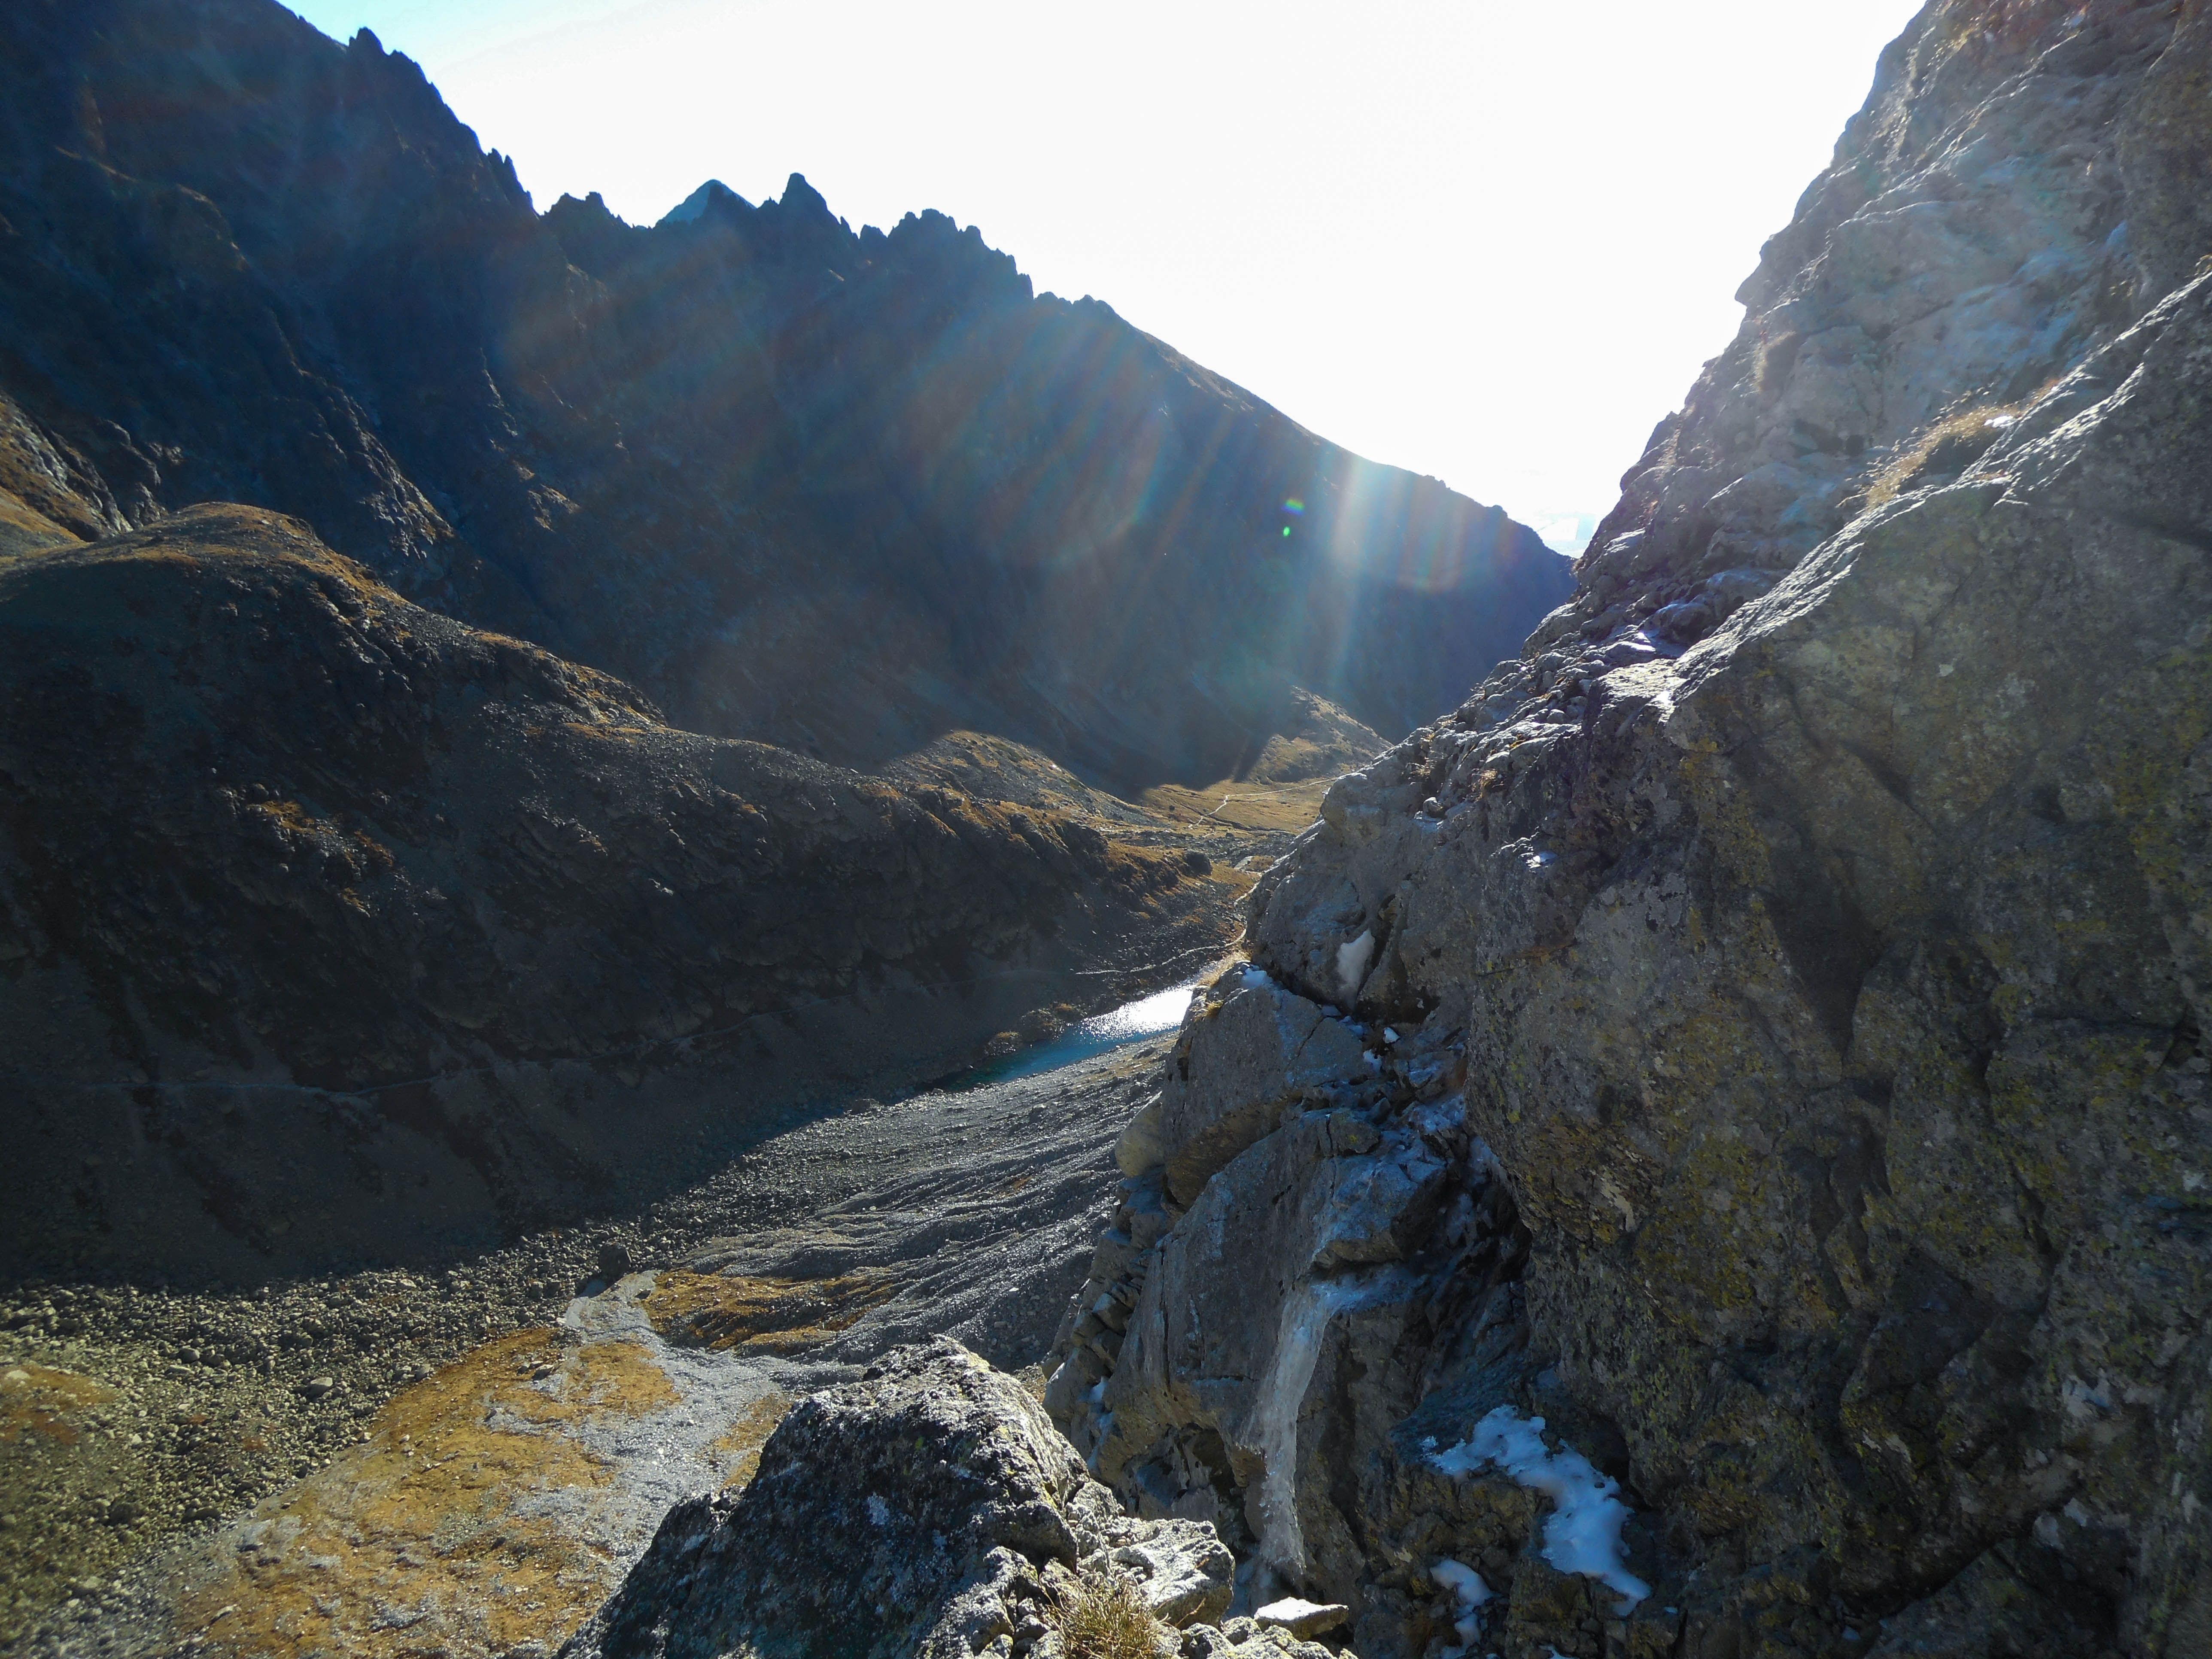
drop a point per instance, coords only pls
(1131, 1022)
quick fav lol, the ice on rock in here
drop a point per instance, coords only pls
(1583, 1533)
(1304, 1323)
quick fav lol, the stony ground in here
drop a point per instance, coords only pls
(395, 1463)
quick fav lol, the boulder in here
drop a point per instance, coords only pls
(1250, 1049)
(921, 1511)
(1138, 1151)
(1303, 1619)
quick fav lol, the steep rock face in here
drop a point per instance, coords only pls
(1819, 905)
(839, 492)
(1283, 1355)
(336, 924)
(2015, 193)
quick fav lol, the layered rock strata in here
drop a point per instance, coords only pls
(1817, 911)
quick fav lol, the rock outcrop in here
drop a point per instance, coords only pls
(839, 492)
(1810, 929)
(1299, 1305)
(330, 926)
(929, 1509)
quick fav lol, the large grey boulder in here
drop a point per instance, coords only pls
(919, 1513)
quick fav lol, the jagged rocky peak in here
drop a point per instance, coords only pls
(1759, 1033)
(814, 502)
(713, 197)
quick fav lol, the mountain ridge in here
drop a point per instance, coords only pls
(838, 492)
(831, 501)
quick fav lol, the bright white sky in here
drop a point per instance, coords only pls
(1488, 241)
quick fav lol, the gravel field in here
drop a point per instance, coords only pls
(142, 1432)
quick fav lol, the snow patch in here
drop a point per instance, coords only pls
(1583, 1533)
(1352, 961)
(1467, 1589)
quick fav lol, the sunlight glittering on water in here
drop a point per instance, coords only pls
(1163, 1011)
(1131, 1022)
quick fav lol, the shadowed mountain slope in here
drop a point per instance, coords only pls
(344, 925)
(348, 901)
(838, 492)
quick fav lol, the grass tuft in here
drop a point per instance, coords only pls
(1950, 445)
(1106, 1618)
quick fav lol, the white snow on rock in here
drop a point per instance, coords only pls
(1467, 1589)
(1352, 960)
(1583, 1533)
(1306, 1314)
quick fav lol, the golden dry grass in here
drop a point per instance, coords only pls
(737, 1453)
(62, 1456)
(762, 1316)
(38, 1400)
(1973, 429)
(1105, 1617)
(425, 1538)
(1238, 805)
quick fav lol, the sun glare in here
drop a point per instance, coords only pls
(1477, 239)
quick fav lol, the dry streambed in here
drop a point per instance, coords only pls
(394, 1464)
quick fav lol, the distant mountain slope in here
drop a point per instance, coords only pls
(330, 921)
(839, 492)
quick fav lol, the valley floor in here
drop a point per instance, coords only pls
(389, 1463)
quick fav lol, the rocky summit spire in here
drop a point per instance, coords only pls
(712, 196)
